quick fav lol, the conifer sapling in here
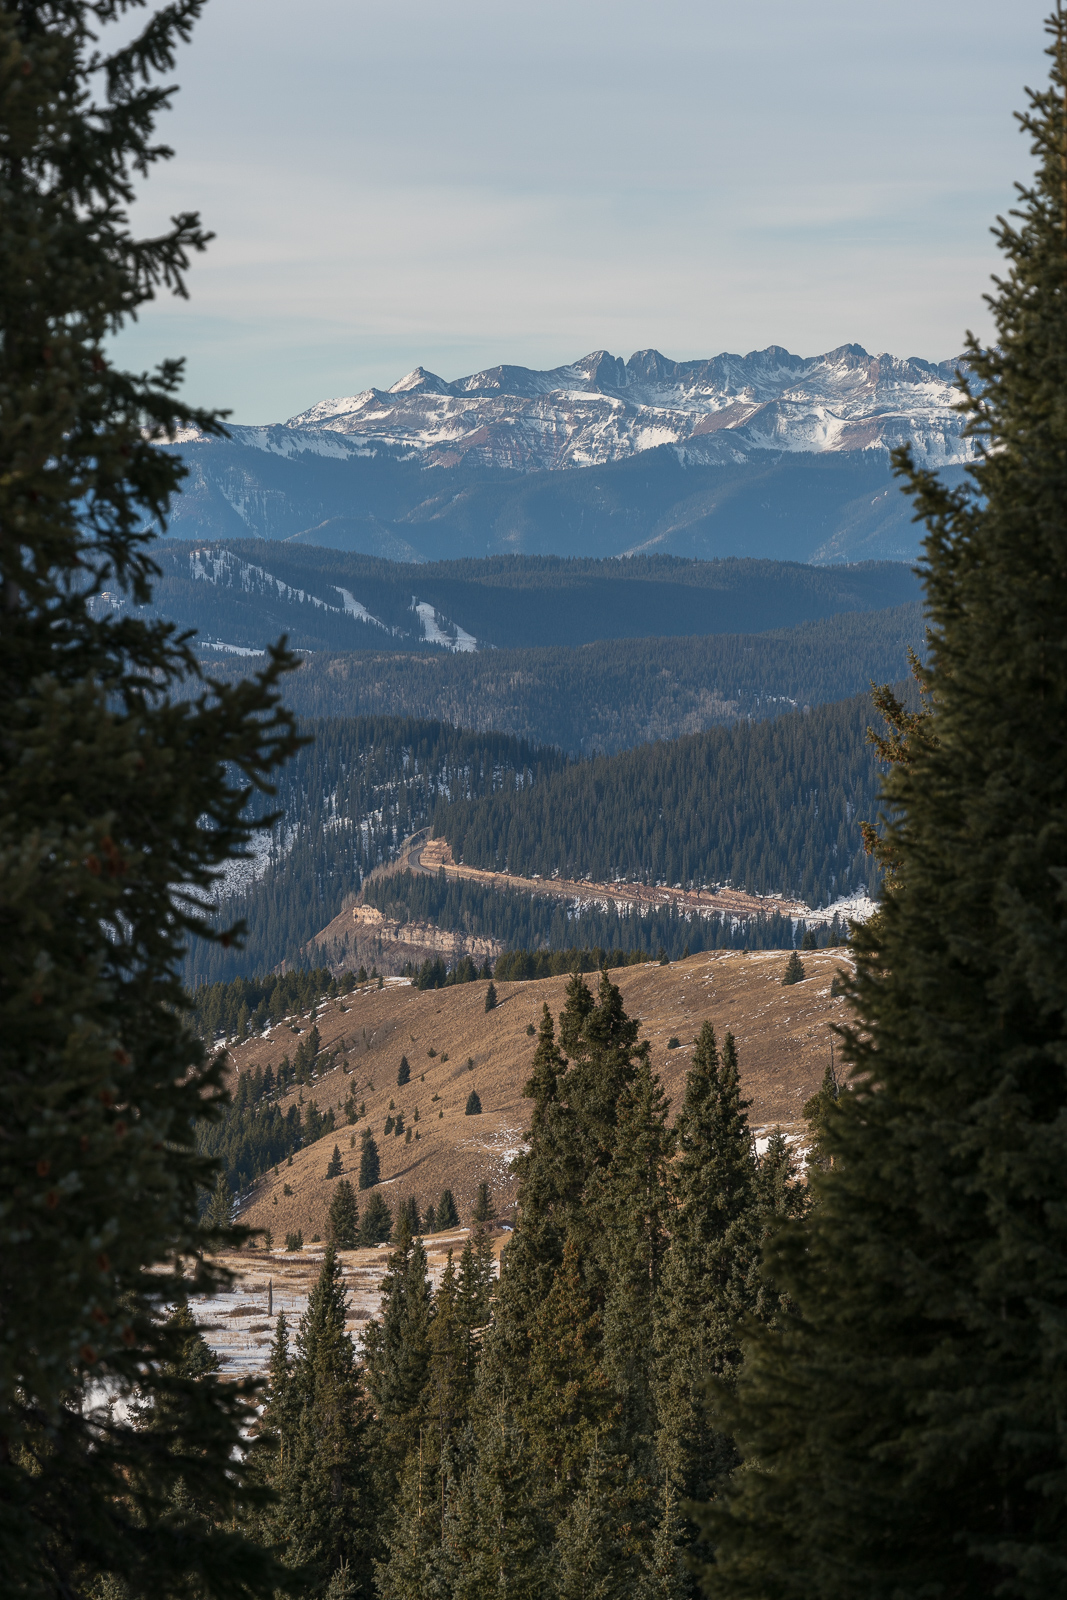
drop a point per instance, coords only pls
(794, 969)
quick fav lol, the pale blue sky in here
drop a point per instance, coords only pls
(458, 183)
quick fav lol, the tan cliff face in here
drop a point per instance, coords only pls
(425, 935)
(362, 936)
(782, 1034)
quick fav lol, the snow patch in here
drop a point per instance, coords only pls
(460, 641)
(267, 848)
(354, 609)
(849, 908)
(231, 649)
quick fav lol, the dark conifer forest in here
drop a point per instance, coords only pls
(770, 807)
(545, 1432)
(348, 799)
(609, 695)
(245, 592)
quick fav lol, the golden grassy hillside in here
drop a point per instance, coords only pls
(782, 1035)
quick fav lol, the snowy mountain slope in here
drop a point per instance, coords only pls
(243, 594)
(601, 409)
(237, 605)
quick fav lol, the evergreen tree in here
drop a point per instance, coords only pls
(376, 1223)
(602, 1047)
(418, 1561)
(474, 1105)
(490, 997)
(370, 1167)
(578, 1004)
(906, 1427)
(571, 1412)
(545, 1175)
(447, 1215)
(403, 1074)
(396, 1354)
(172, 1417)
(483, 1203)
(124, 786)
(316, 1408)
(193, 1357)
(496, 1540)
(272, 1442)
(306, 1052)
(408, 1221)
(794, 969)
(818, 1112)
(190, 1357)
(279, 1414)
(568, 1159)
(343, 1226)
(450, 1378)
(634, 1198)
(335, 1166)
(708, 1279)
(219, 1213)
(536, 1431)
(477, 1271)
(557, 1440)
(781, 1196)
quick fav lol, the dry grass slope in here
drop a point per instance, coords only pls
(782, 1033)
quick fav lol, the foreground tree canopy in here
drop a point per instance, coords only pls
(118, 802)
(905, 1432)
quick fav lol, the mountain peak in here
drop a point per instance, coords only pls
(601, 408)
(419, 381)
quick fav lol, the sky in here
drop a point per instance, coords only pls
(459, 183)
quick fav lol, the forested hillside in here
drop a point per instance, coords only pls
(348, 799)
(796, 506)
(510, 601)
(768, 807)
(616, 693)
(246, 592)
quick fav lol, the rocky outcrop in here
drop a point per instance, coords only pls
(362, 936)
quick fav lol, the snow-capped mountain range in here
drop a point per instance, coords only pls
(603, 409)
(767, 454)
